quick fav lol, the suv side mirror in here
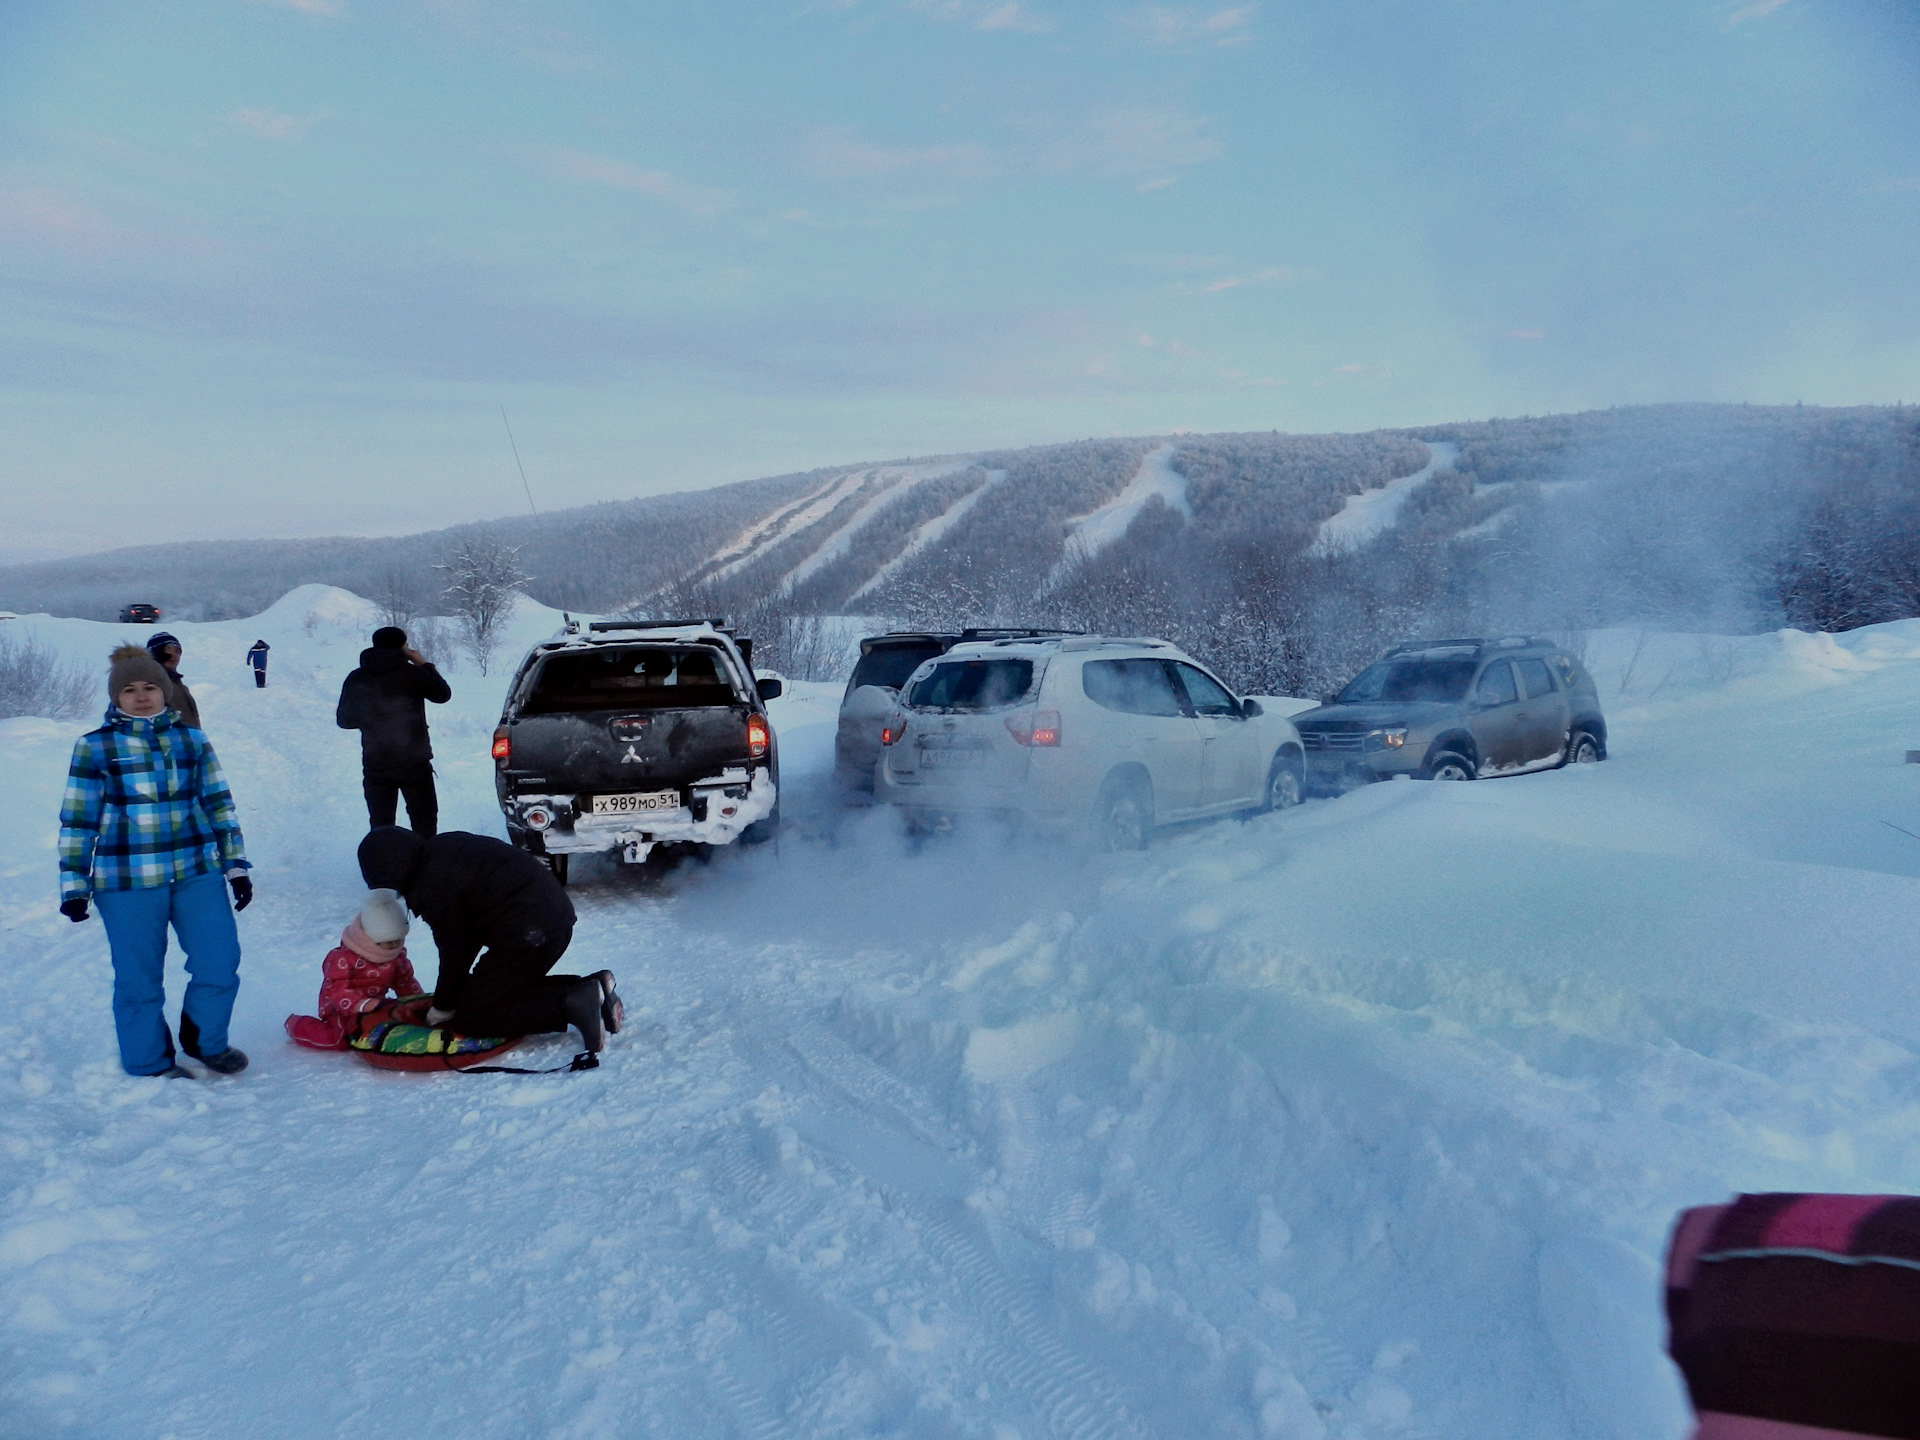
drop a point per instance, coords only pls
(1250, 709)
(769, 688)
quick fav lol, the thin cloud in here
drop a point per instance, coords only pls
(583, 169)
(1273, 275)
(1754, 10)
(988, 15)
(312, 9)
(1145, 144)
(272, 125)
(1166, 26)
(843, 152)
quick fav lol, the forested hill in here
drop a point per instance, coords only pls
(1737, 516)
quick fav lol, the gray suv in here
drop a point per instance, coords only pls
(1455, 710)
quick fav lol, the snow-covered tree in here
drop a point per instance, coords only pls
(484, 577)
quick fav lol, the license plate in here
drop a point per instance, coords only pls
(635, 804)
(943, 758)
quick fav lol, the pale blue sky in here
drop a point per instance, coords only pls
(275, 267)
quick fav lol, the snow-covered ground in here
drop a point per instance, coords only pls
(1366, 1119)
(1373, 511)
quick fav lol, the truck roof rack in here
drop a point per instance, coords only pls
(717, 622)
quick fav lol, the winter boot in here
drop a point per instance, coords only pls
(613, 1014)
(583, 1008)
(173, 1072)
(228, 1062)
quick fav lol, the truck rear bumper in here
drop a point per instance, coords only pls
(728, 804)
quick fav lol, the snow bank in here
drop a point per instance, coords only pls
(1362, 1120)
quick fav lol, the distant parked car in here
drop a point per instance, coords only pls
(1112, 737)
(1455, 710)
(625, 735)
(874, 687)
(139, 614)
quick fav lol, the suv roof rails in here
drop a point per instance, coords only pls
(1473, 642)
(1014, 632)
(717, 622)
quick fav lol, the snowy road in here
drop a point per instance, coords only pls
(1362, 1120)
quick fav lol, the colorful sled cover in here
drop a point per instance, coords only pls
(390, 1038)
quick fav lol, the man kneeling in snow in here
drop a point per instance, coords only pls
(477, 893)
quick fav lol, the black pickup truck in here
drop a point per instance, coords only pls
(624, 735)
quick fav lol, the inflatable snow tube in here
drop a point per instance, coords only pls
(390, 1037)
(395, 1046)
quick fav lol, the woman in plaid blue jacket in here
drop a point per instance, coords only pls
(148, 832)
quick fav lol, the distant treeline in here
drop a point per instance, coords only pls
(1685, 516)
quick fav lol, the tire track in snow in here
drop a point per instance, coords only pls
(1015, 1344)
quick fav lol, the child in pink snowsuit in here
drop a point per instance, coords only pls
(370, 960)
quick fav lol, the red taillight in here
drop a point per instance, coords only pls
(1037, 727)
(757, 736)
(502, 747)
(895, 727)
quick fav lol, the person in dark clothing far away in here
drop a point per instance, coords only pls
(257, 658)
(166, 649)
(477, 893)
(385, 700)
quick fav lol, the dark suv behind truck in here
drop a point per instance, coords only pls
(1455, 710)
(625, 735)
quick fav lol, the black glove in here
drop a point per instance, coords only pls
(242, 891)
(74, 909)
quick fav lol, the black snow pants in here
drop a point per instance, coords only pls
(511, 993)
(383, 794)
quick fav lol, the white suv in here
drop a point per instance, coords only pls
(1114, 735)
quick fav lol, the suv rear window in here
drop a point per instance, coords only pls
(972, 685)
(656, 677)
(890, 665)
(1409, 680)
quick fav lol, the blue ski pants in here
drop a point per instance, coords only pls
(136, 922)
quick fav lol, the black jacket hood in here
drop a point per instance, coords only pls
(391, 857)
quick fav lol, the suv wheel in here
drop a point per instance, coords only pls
(1123, 816)
(1449, 766)
(1284, 786)
(1582, 749)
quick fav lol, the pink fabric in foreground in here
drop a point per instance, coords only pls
(1714, 1426)
(1690, 1237)
(1822, 1222)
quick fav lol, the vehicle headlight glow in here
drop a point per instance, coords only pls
(1390, 739)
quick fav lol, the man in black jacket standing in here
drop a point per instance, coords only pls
(385, 700)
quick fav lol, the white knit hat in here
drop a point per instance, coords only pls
(383, 917)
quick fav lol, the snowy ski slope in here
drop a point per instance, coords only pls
(1371, 512)
(1364, 1120)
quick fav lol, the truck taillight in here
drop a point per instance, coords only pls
(757, 736)
(502, 747)
(895, 727)
(1036, 727)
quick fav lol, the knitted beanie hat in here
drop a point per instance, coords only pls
(389, 637)
(383, 917)
(130, 663)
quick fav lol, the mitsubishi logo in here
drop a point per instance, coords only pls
(630, 758)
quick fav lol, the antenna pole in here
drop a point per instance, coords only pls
(516, 460)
